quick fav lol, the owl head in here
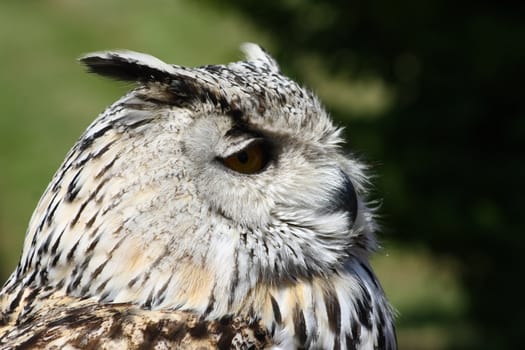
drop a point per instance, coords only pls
(201, 181)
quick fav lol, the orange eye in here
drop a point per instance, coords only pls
(250, 160)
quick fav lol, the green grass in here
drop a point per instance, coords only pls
(47, 100)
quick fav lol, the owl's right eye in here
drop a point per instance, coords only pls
(250, 160)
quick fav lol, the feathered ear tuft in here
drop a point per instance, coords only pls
(128, 66)
(255, 53)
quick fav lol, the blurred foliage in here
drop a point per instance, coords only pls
(451, 140)
(431, 93)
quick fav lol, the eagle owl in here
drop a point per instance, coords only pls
(209, 208)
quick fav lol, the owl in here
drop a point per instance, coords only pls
(209, 208)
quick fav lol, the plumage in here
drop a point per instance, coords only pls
(216, 198)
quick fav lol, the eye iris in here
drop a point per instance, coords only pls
(249, 160)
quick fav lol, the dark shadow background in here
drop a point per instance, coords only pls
(451, 147)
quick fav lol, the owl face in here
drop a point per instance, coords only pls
(286, 192)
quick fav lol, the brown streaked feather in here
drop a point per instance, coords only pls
(63, 322)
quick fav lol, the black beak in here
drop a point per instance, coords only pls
(345, 198)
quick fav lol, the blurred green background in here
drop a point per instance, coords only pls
(431, 94)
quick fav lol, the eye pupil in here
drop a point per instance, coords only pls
(242, 157)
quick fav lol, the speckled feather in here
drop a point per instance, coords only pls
(144, 235)
(66, 322)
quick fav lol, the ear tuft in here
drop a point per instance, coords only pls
(128, 66)
(255, 53)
